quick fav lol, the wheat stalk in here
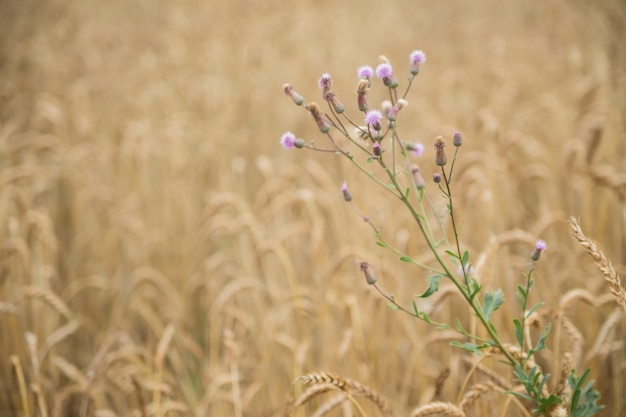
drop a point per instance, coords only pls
(605, 266)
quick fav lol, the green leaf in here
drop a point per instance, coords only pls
(406, 259)
(459, 326)
(541, 343)
(465, 258)
(452, 254)
(532, 310)
(433, 285)
(546, 403)
(406, 192)
(469, 347)
(519, 332)
(493, 301)
(393, 306)
(381, 244)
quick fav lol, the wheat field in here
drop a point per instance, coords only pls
(162, 255)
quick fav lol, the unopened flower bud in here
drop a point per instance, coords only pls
(322, 123)
(457, 140)
(367, 271)
(440, 154)
(436, 178)
(418, 179)
(346, 193)
(377, 149)
(297, 98)
(334, 101)
(539, 247)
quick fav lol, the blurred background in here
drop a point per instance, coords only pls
(162, 254)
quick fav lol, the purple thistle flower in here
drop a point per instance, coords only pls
(417, 149)
(384, 70)
(540, 246)
(373, 117)
(288, 140)
(325, 82)
(416, 58)
(365, 72)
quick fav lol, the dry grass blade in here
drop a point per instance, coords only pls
(605, 266)
(71, 371)
(18, 373)
(446, 409)
(311, 393)
(347, 385)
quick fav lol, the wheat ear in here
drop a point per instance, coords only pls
(447, 409)
(349, 386)
(605, 266)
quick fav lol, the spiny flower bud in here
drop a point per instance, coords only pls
(346, 193)
(436, 178)
(332, 99)
(440, 154)
(418, 179)
(361, 91)
(539, 247)
(322, 123)
(457, 140)
(297, 98)
(367, 271)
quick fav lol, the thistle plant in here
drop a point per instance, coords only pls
(373, 138)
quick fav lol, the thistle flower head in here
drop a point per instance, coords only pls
(288, 140)
(325, 82)
(440, 154)
(377, 150)
(457, 140)
(416, 58)
(365, 71)
(384, 70)
(373, 118)
(416, 149)
(540, 246)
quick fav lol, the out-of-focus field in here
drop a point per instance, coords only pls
(161, 254)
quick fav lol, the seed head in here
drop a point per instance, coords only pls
(297, 98)
(361, 92)
(440, 154)
(322, 123)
